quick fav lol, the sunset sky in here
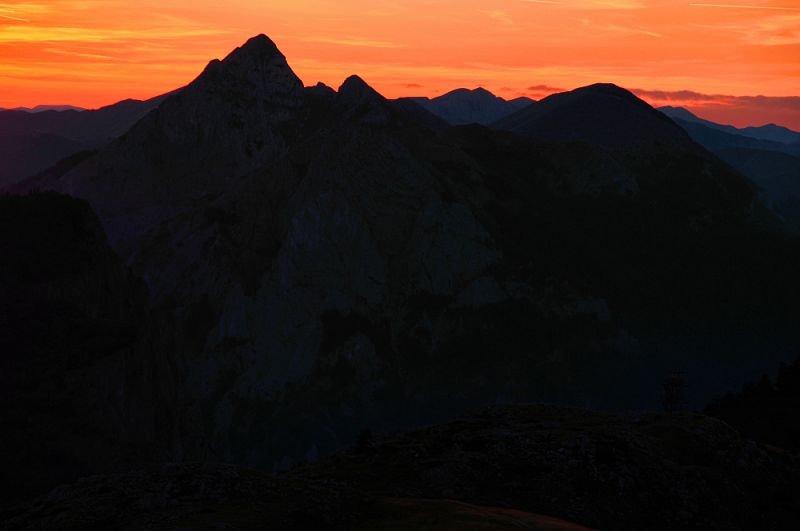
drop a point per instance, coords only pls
(713, 57)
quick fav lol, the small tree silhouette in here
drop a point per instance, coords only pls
(675, 391)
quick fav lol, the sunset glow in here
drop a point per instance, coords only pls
(95, 52)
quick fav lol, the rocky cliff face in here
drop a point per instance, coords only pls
(329, 260)
(85, 374)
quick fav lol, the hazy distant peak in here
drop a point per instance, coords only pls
(679, 112)
(45, 108)
(465, 106)
(480, 91)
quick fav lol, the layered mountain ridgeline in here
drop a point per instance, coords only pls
(32, 140)
(464, 106)
(331, 259)
(82, 374)
(769, 132)
(45, 108)
(499, 469)
(769, 156)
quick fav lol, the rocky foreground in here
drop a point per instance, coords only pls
(501, 468)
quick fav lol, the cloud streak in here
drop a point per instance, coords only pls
(744, 6)
(738, 110)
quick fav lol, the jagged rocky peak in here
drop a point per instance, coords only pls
(257, 66)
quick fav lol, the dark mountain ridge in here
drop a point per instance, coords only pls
(601, 114)
(330, 260)
(769, 132)
(31, 142)
(465, 106)
(773, 167)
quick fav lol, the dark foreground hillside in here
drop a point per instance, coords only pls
(498, 469)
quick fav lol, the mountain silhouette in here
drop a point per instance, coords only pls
(31, 142)
(464, 106)
(322, 260)
(772, 166)
(769, 132)
(601, 114)
(43, 108)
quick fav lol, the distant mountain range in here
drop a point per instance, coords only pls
(769, 156)
(254, 272)
(464, 106)
(33, 140)
(770, 132)
(44, 108)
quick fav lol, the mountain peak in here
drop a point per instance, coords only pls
(603, 114)
(257, 68)
(260, 44)
(355, 87)
(608, 89)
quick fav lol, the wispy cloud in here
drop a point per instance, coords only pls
(498, 15)
(363, 43)
(618, 28)
(591, 4)
(747, 6)
(34, 34)
(9, 17)
(772, 30)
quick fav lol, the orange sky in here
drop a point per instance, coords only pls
(95, 52)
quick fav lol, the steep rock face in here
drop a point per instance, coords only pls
(330, 260)
(197, 144)
(260, 214)
(82, 361)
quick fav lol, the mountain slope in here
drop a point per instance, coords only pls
(769, 132)
(464, 106)
(330, 259)
(31, 142)
(774, 167)
(26, 154)
(601, 114)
